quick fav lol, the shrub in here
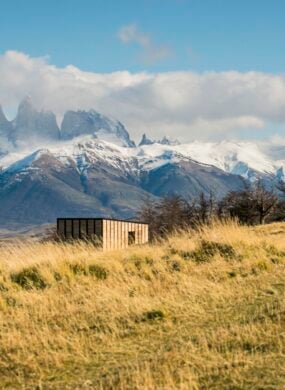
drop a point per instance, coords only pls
(153, 315)
(175, 266)
(57, 276)
(98, 271)
(94, 270)
(78, 269)
(29, 278)
(186, 255)
(208, 249)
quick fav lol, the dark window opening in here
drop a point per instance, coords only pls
(131, 238)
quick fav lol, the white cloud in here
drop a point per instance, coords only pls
(151, 52)
(182, 104)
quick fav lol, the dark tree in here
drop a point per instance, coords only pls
(251, 205)
(238, 204)
(264, 201)
(172, 214)
(206, 208)
(149, 214)
(203, 208)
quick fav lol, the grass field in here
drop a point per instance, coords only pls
(200, 310)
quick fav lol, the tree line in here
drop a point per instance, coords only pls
(253, 204)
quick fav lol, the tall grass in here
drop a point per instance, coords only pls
(198, 310)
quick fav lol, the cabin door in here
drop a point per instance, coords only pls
(131, 238)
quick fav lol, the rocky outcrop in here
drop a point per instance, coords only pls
(76, 123)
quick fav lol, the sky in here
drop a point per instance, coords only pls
(192, 69)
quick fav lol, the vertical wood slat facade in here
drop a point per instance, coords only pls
(104, 233)
(110, 233)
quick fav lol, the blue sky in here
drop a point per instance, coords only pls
(192, 69)
(199, 35)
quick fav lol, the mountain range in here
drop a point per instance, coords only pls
(89, 166)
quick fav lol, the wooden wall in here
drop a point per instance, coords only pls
(116, 233)
(113, 234)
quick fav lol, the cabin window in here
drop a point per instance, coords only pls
(61, 228)
(131, 238)
(90, 227)
(68, 228)
(75, 233)
(82, 225)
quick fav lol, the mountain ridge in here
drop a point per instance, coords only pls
(36, 126)
(92, 167)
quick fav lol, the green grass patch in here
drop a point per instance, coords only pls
(29, 278)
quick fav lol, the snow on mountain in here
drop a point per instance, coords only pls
(245, 159)
(93, 168)
(87, 138)
(237, 158)
(24, 163)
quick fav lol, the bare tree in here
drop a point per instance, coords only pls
(168, 214)
(171, 211)
(149, 214)
(250, 205)
(238, 204)
(203, 208)
(264, 201)
(206, 207)
(253, 204)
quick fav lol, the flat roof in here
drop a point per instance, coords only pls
(101, 219)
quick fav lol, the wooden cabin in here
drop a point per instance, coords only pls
(110, 233)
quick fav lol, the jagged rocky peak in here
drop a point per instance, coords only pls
(145, 141)
(168, 141)
(3, 119)
(164, 141)
(30, 123)
(25, 116)
(5, 126)
(26, 105)
(76, 123)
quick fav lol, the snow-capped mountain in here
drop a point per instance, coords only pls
(90, 166)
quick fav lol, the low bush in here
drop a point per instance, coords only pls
(208, 249)
(29, 278)
(98, 271)
(93, 269)
(153, 315)
(79, 269)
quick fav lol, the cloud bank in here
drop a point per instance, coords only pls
(181, 104)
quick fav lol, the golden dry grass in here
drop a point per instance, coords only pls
(200, 310)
